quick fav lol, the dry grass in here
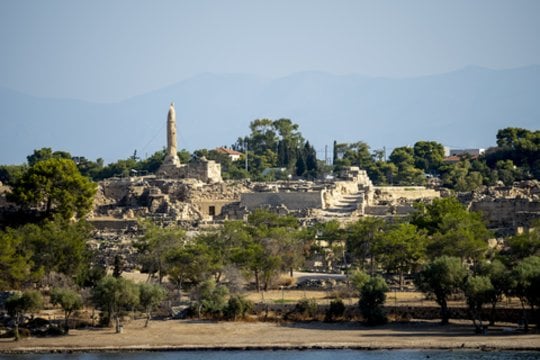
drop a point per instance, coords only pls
(392, 298)
(208, 334)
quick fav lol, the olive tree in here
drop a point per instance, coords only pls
(113, 295)
(20, 303)
(150, 296)
(526, 285)
(442, 277)
(478, 291)
(69, 300)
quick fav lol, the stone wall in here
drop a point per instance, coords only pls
(407, 193)
(211, 208)
(205, 170)
(507, 213)
(291, 200)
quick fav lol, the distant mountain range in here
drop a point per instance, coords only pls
(463, 108)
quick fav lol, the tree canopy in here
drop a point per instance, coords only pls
(55, 186)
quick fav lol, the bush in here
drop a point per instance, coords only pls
(237, 307)
(209, 299)
(285, 281)
(372, 297)
(305, 309)
(335, 310)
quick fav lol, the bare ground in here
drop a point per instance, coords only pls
(182, 335)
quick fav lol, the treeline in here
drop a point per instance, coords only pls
(442, 247)
(276, 149)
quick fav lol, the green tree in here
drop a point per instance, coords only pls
(461, 176)
(70, 300)
(156, 245)
(152, 163)
(428, 156)
(10, 174)
(120, 168)
(113, 295)
(501, 280)
(521, 147)
(221, 245)
(402, 249)
(357, 279)
(210, 298)
(46, 154)
(58, 246)
(55, 186)
(430, 216)
(310, 154)
(89, 168)
(407, 174)
(363, 238)
(301, 166)
(356, 154)
(191, 263)
(275, 245)
(372, 298)
(463, 234)
(523, 245)
(442, 277)
(15, 261)
(526, 285)
(150, 296)
(20, 303)
(478, 291)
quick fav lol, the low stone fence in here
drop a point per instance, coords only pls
(404, 313)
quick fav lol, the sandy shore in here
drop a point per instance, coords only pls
(185, 335)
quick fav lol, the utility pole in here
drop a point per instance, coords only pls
(246, 151)
(326, 154)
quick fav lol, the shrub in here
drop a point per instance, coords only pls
(303, 310)
(372, 297)
(335, 310)
(209, 299)
(237, 307)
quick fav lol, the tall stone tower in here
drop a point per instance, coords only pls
(172, 154)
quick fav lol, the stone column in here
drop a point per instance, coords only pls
(172, 155)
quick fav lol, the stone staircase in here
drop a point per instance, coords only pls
(345, 206)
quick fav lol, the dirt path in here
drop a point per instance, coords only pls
(174, 334)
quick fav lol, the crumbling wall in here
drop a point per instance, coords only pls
(205, 170)
(402, 193)
(507, 213)
(291, 200)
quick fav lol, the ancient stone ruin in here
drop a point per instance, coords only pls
(204, 170)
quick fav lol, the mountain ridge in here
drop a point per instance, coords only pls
(462, 108)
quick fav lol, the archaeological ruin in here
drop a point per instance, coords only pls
(194, 194)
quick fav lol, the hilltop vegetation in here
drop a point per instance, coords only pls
(276, 149)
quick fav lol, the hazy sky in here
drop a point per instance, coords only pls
(110, 50)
